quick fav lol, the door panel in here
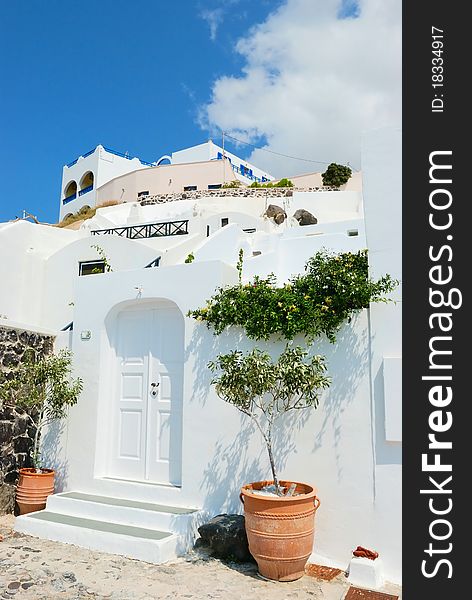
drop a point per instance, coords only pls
(165, 410)
(130, 398)
(130, 434)
(147, 407)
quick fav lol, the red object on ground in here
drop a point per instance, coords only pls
(361, 594)
(365, 553)
(321, 572)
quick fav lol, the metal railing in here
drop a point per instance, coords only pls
(150, 230)
(244, 171)
(128, 157)
(89, 188)
(116, 153)
(69, 198)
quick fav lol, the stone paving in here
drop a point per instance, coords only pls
(44, 570)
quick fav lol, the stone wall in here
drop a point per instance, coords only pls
(16, 429)
(244, 192)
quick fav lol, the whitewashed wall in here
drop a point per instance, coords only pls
(221, 452)
(381, 164)
(209, 151)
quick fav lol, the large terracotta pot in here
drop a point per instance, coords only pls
(280, 529)
(33, 489)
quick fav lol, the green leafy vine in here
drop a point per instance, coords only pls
(317, 302)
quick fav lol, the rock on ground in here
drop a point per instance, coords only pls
(226, 536)
(304, 217)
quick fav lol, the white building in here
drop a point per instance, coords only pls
(130, 458)
(83, 178)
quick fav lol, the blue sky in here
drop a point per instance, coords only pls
(128, 75)
(148, 77)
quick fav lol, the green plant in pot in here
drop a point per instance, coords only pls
(312, 304)
(265, 391)
(44, 388)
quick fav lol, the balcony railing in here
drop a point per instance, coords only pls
(116, 153)
(89, 188)
(244, 171)
(150, 230)
(69, 198)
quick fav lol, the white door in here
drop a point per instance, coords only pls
(147, 403)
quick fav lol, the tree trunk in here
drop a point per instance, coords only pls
(272, 466)
(268, 441)
(37, 435)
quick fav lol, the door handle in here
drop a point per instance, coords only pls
(154, 387)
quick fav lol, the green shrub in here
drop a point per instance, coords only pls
(336, 175)
(231, 184)
(282, 183)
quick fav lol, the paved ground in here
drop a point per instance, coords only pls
(44, 570)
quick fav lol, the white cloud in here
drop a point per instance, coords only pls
(312, 82)
(214, 18)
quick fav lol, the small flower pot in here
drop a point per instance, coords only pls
(33, 489)
(280, 529)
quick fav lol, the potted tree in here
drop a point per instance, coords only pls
(279, 515)
(316, 303)
(43, 387)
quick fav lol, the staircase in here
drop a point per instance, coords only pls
(150, 532)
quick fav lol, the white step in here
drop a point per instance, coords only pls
(152, 532)
(149, 545)
(128, 512)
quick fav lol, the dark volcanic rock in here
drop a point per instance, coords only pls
(226, 536)
(276, 212)
(304, 217)
(16, 430)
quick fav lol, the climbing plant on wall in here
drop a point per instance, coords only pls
(332, 288)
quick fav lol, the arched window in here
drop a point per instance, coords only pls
(164, 160)
(70, 192)
(86, 183)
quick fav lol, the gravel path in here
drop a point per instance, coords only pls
(44, 570)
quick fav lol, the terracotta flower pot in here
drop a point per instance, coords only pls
(33, 489)
(280, 529)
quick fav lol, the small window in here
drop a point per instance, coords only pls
(145, 193)
(250, 230)
(214, 186)
(91, 267)
(190, 188)
(208, 231)
(224, 222)
(352, 232)
(155, 263)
